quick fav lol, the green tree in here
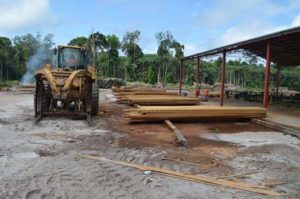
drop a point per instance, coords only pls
(151, 78)
(167, 48)
(178, 49)
(7, 70)
(130, 45)
(31, 52)
(96, 41)
(114, 45)
(79, 41)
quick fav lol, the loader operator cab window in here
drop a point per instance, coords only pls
(72, 58)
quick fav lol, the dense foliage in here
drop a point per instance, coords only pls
(23, 54)
(124, 58)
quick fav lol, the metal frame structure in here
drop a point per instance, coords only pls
(281, 48)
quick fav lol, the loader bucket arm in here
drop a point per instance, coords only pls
(73, 76)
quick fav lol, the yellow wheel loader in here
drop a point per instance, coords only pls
(68, 87)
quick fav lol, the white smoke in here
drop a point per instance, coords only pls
(36, 61)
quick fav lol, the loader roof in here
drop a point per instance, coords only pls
(75, 47)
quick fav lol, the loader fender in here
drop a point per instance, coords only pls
(47, 74)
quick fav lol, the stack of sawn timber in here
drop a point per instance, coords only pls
(25, 89)
(160, 113)
(152, 97)
(161, 100)
(124, 92)
(127, 89)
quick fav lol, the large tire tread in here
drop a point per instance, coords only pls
(95, 99)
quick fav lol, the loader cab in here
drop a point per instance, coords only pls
(70, 57)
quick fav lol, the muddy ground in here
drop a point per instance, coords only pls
(43, 160)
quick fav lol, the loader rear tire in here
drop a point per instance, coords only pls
(42, 98)
(95, 99)
(39, 99)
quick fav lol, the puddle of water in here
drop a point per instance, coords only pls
(25, 155)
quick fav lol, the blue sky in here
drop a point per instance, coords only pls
(198, 24)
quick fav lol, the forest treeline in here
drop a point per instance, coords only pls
(124, 58)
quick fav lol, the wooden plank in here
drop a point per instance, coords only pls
(195, 178)
(161, 100)
(137, 89)
(157, 113)
(274, 182)
(178, 135)
(277, 126)
(201, 107)
(240, 174)
(145, 93)
(184, 162)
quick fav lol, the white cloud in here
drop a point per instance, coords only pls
(237, 20)
(296, 21)
(240, 33)
(2, 34)
(190, 49)
(18, 14)
(149, 50)
(223, 12)
(235, 34)
(148, 44)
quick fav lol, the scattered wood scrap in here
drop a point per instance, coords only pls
(194, 178)
(161, 113)
(274, 182)
(242, 174)
(178, 135)
(184, 162)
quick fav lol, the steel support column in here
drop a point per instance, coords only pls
(181, 76)
(197, 77)
(277, 81)
(223, 78)
(267, 75)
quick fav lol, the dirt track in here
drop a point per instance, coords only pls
(42, 160)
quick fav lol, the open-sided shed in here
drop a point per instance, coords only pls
(281, 48)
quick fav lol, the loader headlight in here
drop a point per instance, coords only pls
(58, 103)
